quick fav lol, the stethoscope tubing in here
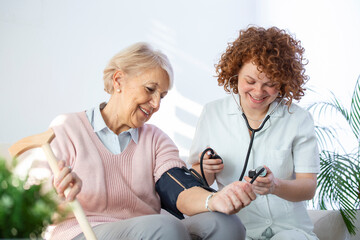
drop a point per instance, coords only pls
(201, 163)
(253, 131)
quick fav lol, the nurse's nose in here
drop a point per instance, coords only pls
(259, 89)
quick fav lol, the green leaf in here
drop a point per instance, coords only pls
(339, 177)
(338, 185)
(355, 110)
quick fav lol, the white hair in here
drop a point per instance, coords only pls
(134, 60)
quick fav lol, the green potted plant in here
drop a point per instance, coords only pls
(25, 210)
(339, 178)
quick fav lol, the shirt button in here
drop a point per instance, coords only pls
(267, 221)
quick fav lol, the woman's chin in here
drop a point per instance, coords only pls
(140, 123)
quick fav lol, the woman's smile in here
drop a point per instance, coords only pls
(256, 91)
(257, 99)
(146, 112)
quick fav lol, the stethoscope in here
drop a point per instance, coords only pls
(253, 131)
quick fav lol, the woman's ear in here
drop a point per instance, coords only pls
(117, 79)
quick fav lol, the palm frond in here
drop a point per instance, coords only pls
(338, 185)
(339, 178)
(329, 107)
(339, 107)
(327, 136)
(355, 110)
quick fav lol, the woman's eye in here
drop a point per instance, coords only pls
(149, 89)
(270, 84)
(249, 82)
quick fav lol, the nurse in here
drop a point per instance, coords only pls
(263, 70)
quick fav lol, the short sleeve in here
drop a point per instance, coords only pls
(305, 148)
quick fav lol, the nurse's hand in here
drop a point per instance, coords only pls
(264, 185)
(65, 179)
(211, 165)
(232, 198)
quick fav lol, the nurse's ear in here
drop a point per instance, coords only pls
(281, 95)
(118, 79)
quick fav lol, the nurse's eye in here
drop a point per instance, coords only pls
(270, 84)
(250, 82)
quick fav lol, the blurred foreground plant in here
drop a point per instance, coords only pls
(25, 210)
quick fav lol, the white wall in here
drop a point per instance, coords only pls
(52, 52)
(330, 32)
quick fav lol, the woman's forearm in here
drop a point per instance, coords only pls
(192, 201)
(229, 200)
(210, 177)
(300, 189)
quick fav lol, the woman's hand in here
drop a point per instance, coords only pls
(264, 185)
(232, 198)
(301, 188)
(211, 165)
(65, 179)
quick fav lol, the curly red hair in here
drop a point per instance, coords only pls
(275, 52)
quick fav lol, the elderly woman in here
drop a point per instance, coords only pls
(124, 164)
(258, 125)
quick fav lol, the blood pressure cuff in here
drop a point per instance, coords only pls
(172, 183)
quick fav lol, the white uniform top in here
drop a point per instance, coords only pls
(287, 145)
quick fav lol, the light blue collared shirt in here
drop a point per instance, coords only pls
(115, 143)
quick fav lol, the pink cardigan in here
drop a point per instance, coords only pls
(114, 187)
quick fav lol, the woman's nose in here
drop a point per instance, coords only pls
(155, 101)
(258, 89)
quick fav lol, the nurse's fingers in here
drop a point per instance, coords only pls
(261, 190)
(213, 165)
(206, 155)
